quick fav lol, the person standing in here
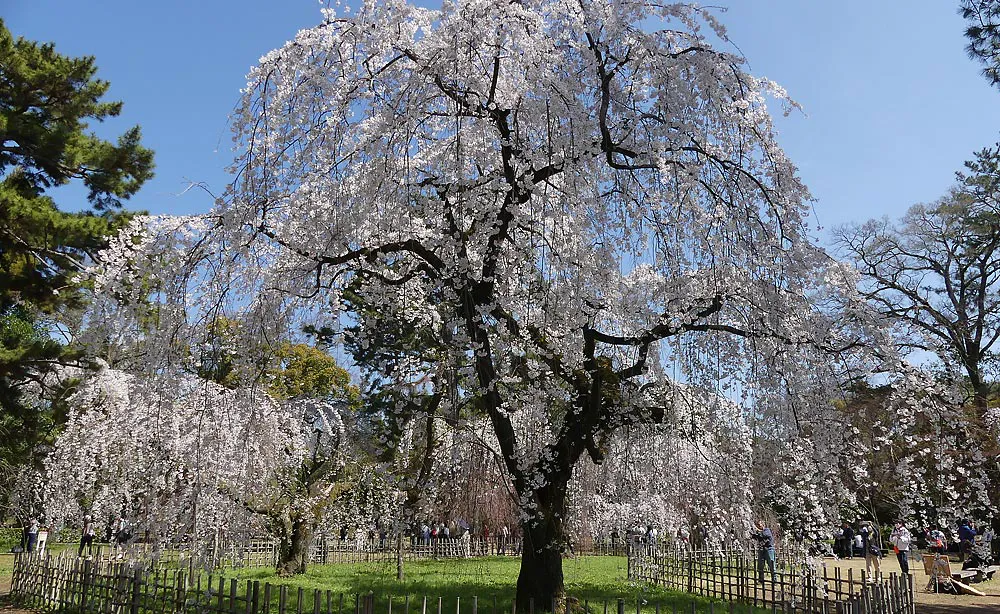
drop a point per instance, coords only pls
(900, 539)
(121, 533)
(871, 544)
(87, 538)
(503, 537)
(966, 539)
(32, 535)
(936, 541)
(765, 550)
(848, 541)
(683, 537)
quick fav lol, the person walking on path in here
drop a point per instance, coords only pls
(765, 550)
(87, 538)
(873, 552)
(900, 539)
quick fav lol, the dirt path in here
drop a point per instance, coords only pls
(931, 603)
(956, 609)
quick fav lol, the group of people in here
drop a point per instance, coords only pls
(431, 534)
(118, 534)
(867, 539)
(848, 541)
(434, 534)
(36, 535)
(649, 537)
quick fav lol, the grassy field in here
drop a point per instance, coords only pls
(591, 581)
(6, 571)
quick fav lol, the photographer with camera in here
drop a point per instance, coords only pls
(765, 550)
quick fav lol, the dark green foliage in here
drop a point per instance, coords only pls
(46, 101)
(983, 32)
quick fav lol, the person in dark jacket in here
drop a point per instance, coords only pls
(848, 541)
(871, 541)
(765, 550)
(966, 538)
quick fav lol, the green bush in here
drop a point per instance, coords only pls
(9, 537)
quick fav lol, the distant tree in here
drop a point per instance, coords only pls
(935, 275)
(406, 386)
(308, 378)
(46, 101)
(185, 455)
(983, 32)
(305, 371)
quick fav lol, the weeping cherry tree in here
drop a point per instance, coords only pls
(572, 195)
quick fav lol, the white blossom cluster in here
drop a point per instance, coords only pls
(177, 456)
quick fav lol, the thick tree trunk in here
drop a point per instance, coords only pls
(540, 582)
(293, 547)
(541, 577)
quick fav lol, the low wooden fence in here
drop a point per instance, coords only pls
(734, 576)
(331, 550)
(263, 551)
(93, 586)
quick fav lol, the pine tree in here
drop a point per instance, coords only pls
(983, 32)
(46, 102)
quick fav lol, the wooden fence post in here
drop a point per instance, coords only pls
(134, 601)
(690, 572)
(83, 585)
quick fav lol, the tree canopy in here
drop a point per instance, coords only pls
(935, 275)
(584, 205)
(983, 32)
(46, 102)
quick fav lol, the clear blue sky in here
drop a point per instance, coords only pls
(892, 104)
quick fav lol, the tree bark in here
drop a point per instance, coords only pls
(293, 547)
(541, 579)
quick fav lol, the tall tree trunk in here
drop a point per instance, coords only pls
(293, 546)
(541, 577)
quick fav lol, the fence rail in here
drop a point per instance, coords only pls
(108, 586)
(735, 576)
(263, 551)
(86, 586)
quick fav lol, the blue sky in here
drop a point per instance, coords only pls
(892, 105)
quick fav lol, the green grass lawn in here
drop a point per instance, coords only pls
(6, 570)
(591, 581)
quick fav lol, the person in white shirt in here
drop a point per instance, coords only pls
(900, 539)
